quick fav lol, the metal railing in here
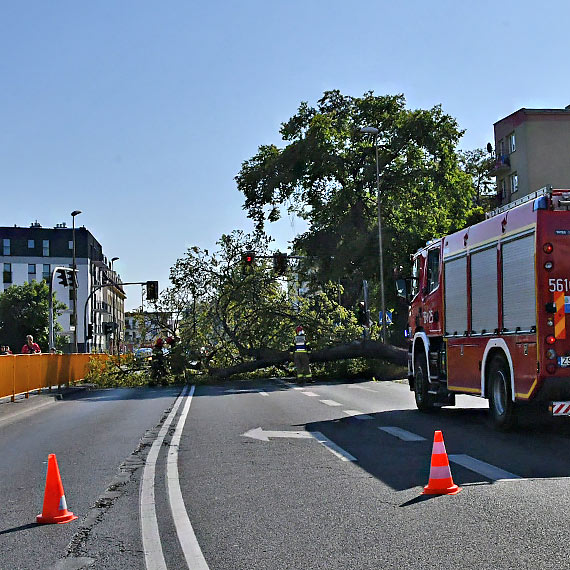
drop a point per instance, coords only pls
(24, 373)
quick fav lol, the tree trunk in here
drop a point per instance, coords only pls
(358, 349)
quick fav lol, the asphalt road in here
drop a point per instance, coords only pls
(291, 503)
(91, 433)
(275, 476)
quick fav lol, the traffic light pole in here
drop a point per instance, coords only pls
(93, 291)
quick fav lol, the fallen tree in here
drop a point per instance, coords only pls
(264, 358)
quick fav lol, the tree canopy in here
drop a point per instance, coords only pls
(326, 174)
(24, 310)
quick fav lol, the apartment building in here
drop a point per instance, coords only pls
(532, 150)
(29, 254)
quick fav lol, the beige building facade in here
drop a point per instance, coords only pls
(532, 148)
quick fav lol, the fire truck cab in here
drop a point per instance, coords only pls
(487, 311)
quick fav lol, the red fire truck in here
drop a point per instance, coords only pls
(488, 309)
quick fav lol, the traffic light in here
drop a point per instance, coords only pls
(89, 331)
(248, 258)
(67, 277)
(108, 327)
(280, 263)
(62, 276)
(152, 290)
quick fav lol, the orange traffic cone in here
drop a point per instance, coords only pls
(440, 481)
(55, 507)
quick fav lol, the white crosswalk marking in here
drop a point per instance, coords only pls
(311, 394)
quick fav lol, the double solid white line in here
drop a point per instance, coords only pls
(152, 546)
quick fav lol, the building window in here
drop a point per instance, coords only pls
(514, 183)
(512, 143)
(45, 247)
(5, 247)
(7, 273)
(503, 188)
(70, 244)
(501, 147)
(31, 272)
(31, 244)
(46, 272)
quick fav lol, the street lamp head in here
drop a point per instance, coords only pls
(369, 131)
(114, 259)
(75, 213)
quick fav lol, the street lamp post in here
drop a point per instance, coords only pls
(75, 279)
(113, 293)
(374, 131)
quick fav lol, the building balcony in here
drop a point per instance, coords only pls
(502, 165)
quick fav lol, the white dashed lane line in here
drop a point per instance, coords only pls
(333, 447)
(364, 388)
(485, 469)
(402, 433)
(311, 394)
(331, 403)
(357, 415)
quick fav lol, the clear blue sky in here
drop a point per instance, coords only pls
(140, 113)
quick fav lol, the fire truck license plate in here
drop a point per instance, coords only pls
(564, 361)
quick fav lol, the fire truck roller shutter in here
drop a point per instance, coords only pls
(519, 296)
(456, 296)
(484, 296)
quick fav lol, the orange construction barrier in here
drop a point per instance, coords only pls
(440, 481)
(55, 507)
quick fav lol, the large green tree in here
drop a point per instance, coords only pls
(326, 174)
(24, 309)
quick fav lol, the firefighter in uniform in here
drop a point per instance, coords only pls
(301, 357)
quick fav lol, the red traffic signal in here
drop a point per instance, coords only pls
(248, 258)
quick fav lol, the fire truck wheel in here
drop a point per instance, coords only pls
(424, 401)
(501, 404)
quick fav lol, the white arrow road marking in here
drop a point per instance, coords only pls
(330, 403)
(485, 469)
(357, 415)
(402, 433)
(262, 435)
(312, 394)
(259, 433)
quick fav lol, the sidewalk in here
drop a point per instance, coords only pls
(11, 410)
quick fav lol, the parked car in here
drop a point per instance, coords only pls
(143, 353)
